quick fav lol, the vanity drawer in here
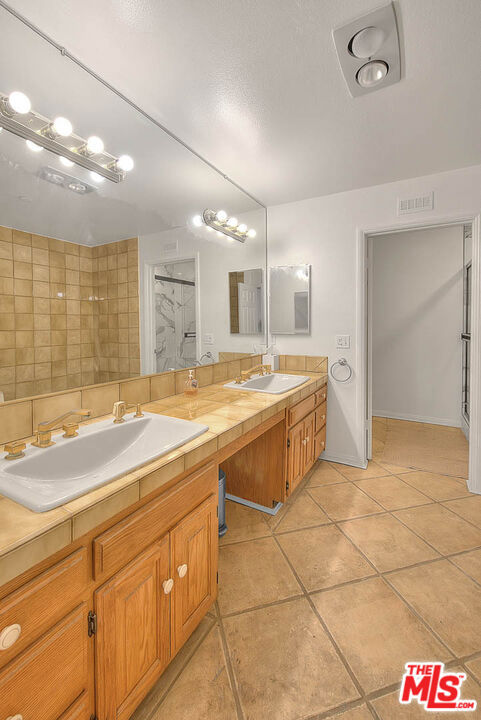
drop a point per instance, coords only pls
(321, 395)
(320, 442)
(40, 603)
(299, 411)
(80, 710)
(321, 416)
(44, 681)
(117, 546)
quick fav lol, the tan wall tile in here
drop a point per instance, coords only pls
(135, 391)
(295, 362)
(50, 407)
(204, 375)
(100, 400)
(162, 386)
(15, 421)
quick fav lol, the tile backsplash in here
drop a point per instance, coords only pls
(69, 314)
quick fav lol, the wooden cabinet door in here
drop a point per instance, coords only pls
(295, 456)
(309, 432)
(194, 569)
(133, 632)
(46, 679)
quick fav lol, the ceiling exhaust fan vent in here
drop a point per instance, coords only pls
(406, 206)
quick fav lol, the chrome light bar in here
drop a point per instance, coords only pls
(228, 226)
(38, 129)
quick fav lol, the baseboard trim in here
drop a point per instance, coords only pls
(449, 422)
(344, 460)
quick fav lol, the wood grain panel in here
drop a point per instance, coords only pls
(309, 432)
(321, 414)
(321, 395)
(80, 710)
(43, 601)
(133, 637)
(44, 681)
(256, 472)
(194, 543)
(114, 548)
(301, 409)
(320, 442)
(295, 456)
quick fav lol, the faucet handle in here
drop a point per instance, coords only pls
(70, 430)
(15, 450)
(118, 411)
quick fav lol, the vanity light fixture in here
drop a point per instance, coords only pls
(17, 116)
(224, 225)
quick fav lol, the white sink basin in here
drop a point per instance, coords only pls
(274, 384)
(48, 477)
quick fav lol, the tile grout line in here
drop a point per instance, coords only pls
(229, 664)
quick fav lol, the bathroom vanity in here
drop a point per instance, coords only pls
(86, 631)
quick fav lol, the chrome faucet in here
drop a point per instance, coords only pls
(44, 429)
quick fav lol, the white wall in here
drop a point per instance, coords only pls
(325, 232)
(417, 305)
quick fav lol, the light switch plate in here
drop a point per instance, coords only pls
(208, 339)
(343, 342)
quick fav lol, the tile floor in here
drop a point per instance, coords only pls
(320, 607)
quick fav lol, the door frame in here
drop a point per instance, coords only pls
(148, 356)
(363, 344)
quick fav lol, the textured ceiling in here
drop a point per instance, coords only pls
(255, 86)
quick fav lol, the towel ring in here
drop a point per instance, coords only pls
(342, 362)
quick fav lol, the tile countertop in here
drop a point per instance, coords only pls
(27, 538)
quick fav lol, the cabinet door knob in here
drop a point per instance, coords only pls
(15, 717)
(304, 442)
(182, 570)
(323, 417)
(168, 585)
(9, 636)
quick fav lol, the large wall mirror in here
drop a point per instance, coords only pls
(103, 280)
(289, 299)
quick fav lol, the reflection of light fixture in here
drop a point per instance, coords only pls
(372, 73)
(96, 177)
(65, 161)
(17, 117)
(33, 146)
(66, 181)
(218, 221)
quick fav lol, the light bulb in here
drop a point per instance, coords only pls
(95, 145)
(65, 161)
(33, 146)
(372, 73)
(367, 42)
(96, 177)
(197, 220)
(62, 126)
(252, 233)
(125, 163)
(242, 228)
(221, 216)
(19, 102)
(219, 233)
(232, 222)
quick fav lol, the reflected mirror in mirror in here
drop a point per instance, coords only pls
(289, 300)
(81, 252)
(246, 302)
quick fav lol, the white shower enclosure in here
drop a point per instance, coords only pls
(175, 314)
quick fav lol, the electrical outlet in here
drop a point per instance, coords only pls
(208, 339)
(343, 342)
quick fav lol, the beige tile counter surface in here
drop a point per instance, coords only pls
(27, 538)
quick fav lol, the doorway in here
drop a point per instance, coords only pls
(175, 314)
(418, 365)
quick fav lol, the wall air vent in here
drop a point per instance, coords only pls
(406, 206)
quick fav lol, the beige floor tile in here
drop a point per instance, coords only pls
(358, 713)
(354, 473)
(243, 523)
(285, 664)
(388, 707)
(325, 474)
(342, 502)
(323, 557)
(203, 690)
(475, 667)
(437, 487)
(468, 508)
(470, 562)
(448, 601)
(387, 543)
(394, 469)
(376, 631)
(253, 573)
(303, 512)
(392, 493)
(442, 529)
